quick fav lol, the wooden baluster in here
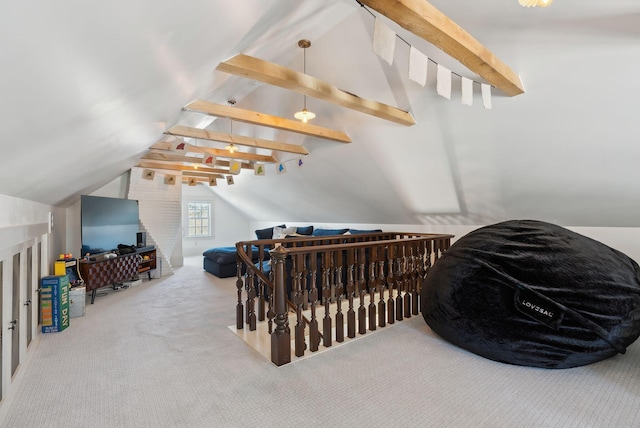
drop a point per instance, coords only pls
(391, 315)
(408, 283)
(362, 311)
(399, 282)
(339, 296)
(436, 248)
(314, 334)
(261, 286)
(372, 287)
(270, 310)
(281, 337)
(351, 289)
(250, 286)
(417, 277)
(326, 295)
(382, 305)
(239, 305)
(300, 345)
(332, 284)
(308, 280)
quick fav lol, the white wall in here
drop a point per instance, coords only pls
(24, 226)
(160, 214)
(230, 225)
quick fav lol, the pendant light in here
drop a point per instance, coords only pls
(304, 115)
(231, 148)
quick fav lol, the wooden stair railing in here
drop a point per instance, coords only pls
(377, 276)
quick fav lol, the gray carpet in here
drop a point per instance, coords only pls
(161, 355)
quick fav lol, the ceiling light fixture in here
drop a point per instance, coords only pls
(304, 115)
(534, 3)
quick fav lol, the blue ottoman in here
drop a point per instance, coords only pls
(221, 261)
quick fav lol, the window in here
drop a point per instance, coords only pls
(199, 219)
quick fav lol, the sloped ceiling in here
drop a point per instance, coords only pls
(88, 87)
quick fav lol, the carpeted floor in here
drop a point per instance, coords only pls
(161, 355)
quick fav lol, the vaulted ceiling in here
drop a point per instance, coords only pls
(89, 91)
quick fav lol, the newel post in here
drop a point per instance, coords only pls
(281, 337)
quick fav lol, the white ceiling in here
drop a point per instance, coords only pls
(87, 87)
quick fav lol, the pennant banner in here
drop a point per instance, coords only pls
(418, 66)
(170, 179)
(148, 174)
(486, 96)
(212, 181)
(467, 91)
(281, 168)
(443, 86)
(229, 180)
(209, 159)
(258, 169)
(234, 167)
(179, 145)
(384, 41)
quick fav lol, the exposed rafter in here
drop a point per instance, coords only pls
(274, 74)
(189, 148)
(257, 118)
(179, 159)
(424, 20)
(177, 167)
(171, 156)
(203, 134)
(238, 155)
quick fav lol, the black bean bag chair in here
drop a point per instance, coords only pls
(534, 294)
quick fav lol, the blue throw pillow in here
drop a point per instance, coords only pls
(329, 232)
(357, 231)
(308, 230)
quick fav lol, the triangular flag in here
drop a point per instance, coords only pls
(170, 179)
(486, 96)
(384, 41)
(300, 162)
(212, 181)
(208, 159)
(467, 91)
(193, 181)
(229, 180)
(234, 167)
(443, 85)
(148, 174)
(418, 66)
(258, 169)
(281, 168)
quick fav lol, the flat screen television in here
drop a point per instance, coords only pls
(107, 222)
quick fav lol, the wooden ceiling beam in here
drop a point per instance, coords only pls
(239, 155)
(274, 74)
(178, 167)
(425, 21)
(171, 156)
(188, 148)
(241, 140)
(257, 118)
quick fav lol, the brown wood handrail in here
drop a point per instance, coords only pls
(333, 268)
